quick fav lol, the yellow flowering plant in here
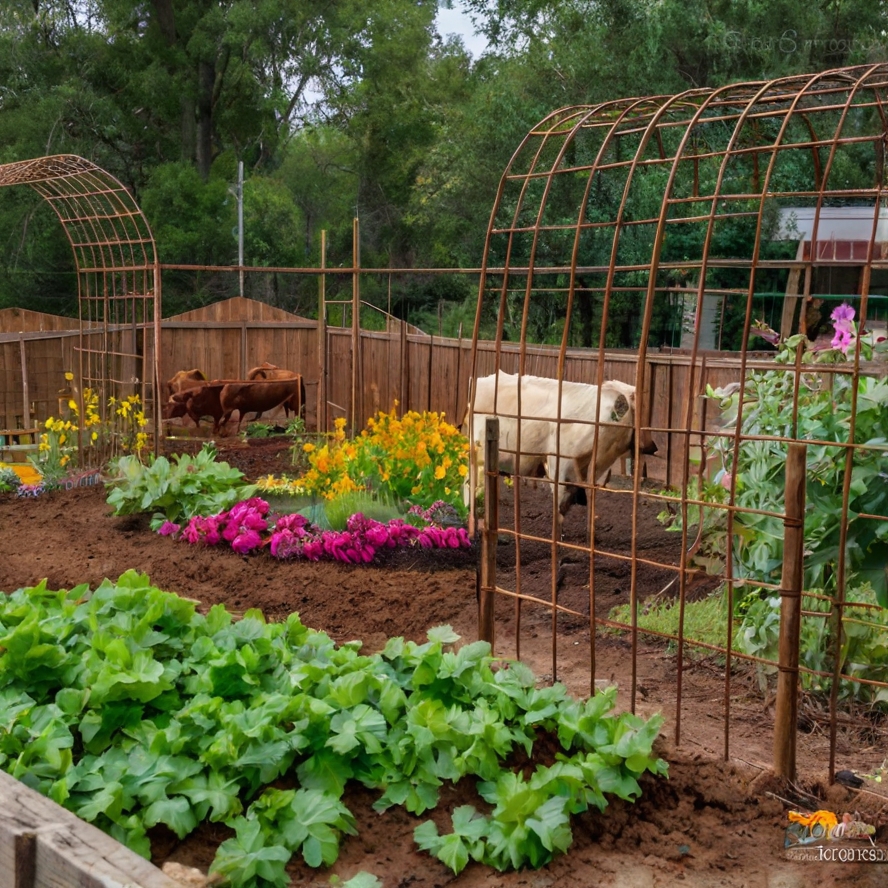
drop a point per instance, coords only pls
(59, 438)
(417, 458)
(131, 424)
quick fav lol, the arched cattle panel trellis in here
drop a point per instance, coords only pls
(118, 284)
(679, 223)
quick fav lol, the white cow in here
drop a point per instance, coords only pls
(563, 456)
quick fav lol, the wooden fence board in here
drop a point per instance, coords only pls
(418, 371)
(42, 845)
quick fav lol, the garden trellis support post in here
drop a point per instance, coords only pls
(490, 532)
(787, 708)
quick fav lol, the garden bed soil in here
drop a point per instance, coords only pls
(713, 822)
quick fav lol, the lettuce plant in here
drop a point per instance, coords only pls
(132, 709)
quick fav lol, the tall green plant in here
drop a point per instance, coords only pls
(824, 419)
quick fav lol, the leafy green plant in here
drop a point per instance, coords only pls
(757, 474)
(177, 490)
(708, 543)
(130, 708)
(9, 480)
(257, 429)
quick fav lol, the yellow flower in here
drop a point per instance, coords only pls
(308, 447)
(69, 376)
(95, 436)
(72, 404)
(440, 472)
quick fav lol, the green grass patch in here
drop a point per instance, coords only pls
(705, 621)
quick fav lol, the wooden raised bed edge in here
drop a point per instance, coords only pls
(42, 845)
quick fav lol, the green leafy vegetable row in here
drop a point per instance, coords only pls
(130, 708)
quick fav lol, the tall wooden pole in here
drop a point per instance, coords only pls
(791, 581)
(489, 533)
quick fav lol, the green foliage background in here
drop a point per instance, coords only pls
(352, 109)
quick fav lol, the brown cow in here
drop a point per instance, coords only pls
(197, 402)
(186, 379)
(258, 396)
(271, 371)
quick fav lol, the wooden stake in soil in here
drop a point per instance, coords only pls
(787, 708)
(490, 531)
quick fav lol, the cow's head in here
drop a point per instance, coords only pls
(177, 405)
(623, 411)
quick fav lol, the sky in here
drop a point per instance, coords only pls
(455, 21)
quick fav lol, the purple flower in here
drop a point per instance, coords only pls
(243, 518)
(30, 489)
(843, 312)
(293, 536)
(313, 550)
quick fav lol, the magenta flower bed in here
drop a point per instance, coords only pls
(249, 526)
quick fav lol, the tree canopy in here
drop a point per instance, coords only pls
(345, 109)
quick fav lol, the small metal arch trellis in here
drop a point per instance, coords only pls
(678, 222)
(118, 285)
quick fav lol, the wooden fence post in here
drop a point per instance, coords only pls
(490, 532)
(791, 581)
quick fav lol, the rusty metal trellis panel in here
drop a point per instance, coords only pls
(634, 209)
(118, 287)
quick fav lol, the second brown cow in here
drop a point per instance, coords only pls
(271, 371)
(259, 396)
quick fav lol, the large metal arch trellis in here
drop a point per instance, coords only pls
(638, 205)
(118, 284)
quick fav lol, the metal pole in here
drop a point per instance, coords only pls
(356, 325)
(787, 707)
(322, 340)
(240, 226)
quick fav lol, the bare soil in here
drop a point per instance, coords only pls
(713, 822)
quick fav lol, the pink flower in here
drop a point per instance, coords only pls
(168, 528)
(293, 522)
(313, 550)
(204, 530)
(842, 313)
(246, 541)
(843, 339)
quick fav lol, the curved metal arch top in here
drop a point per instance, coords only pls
(118, 281)
(619, 212)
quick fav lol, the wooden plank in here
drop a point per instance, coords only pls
(42, 845)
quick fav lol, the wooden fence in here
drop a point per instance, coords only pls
(413, 370)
